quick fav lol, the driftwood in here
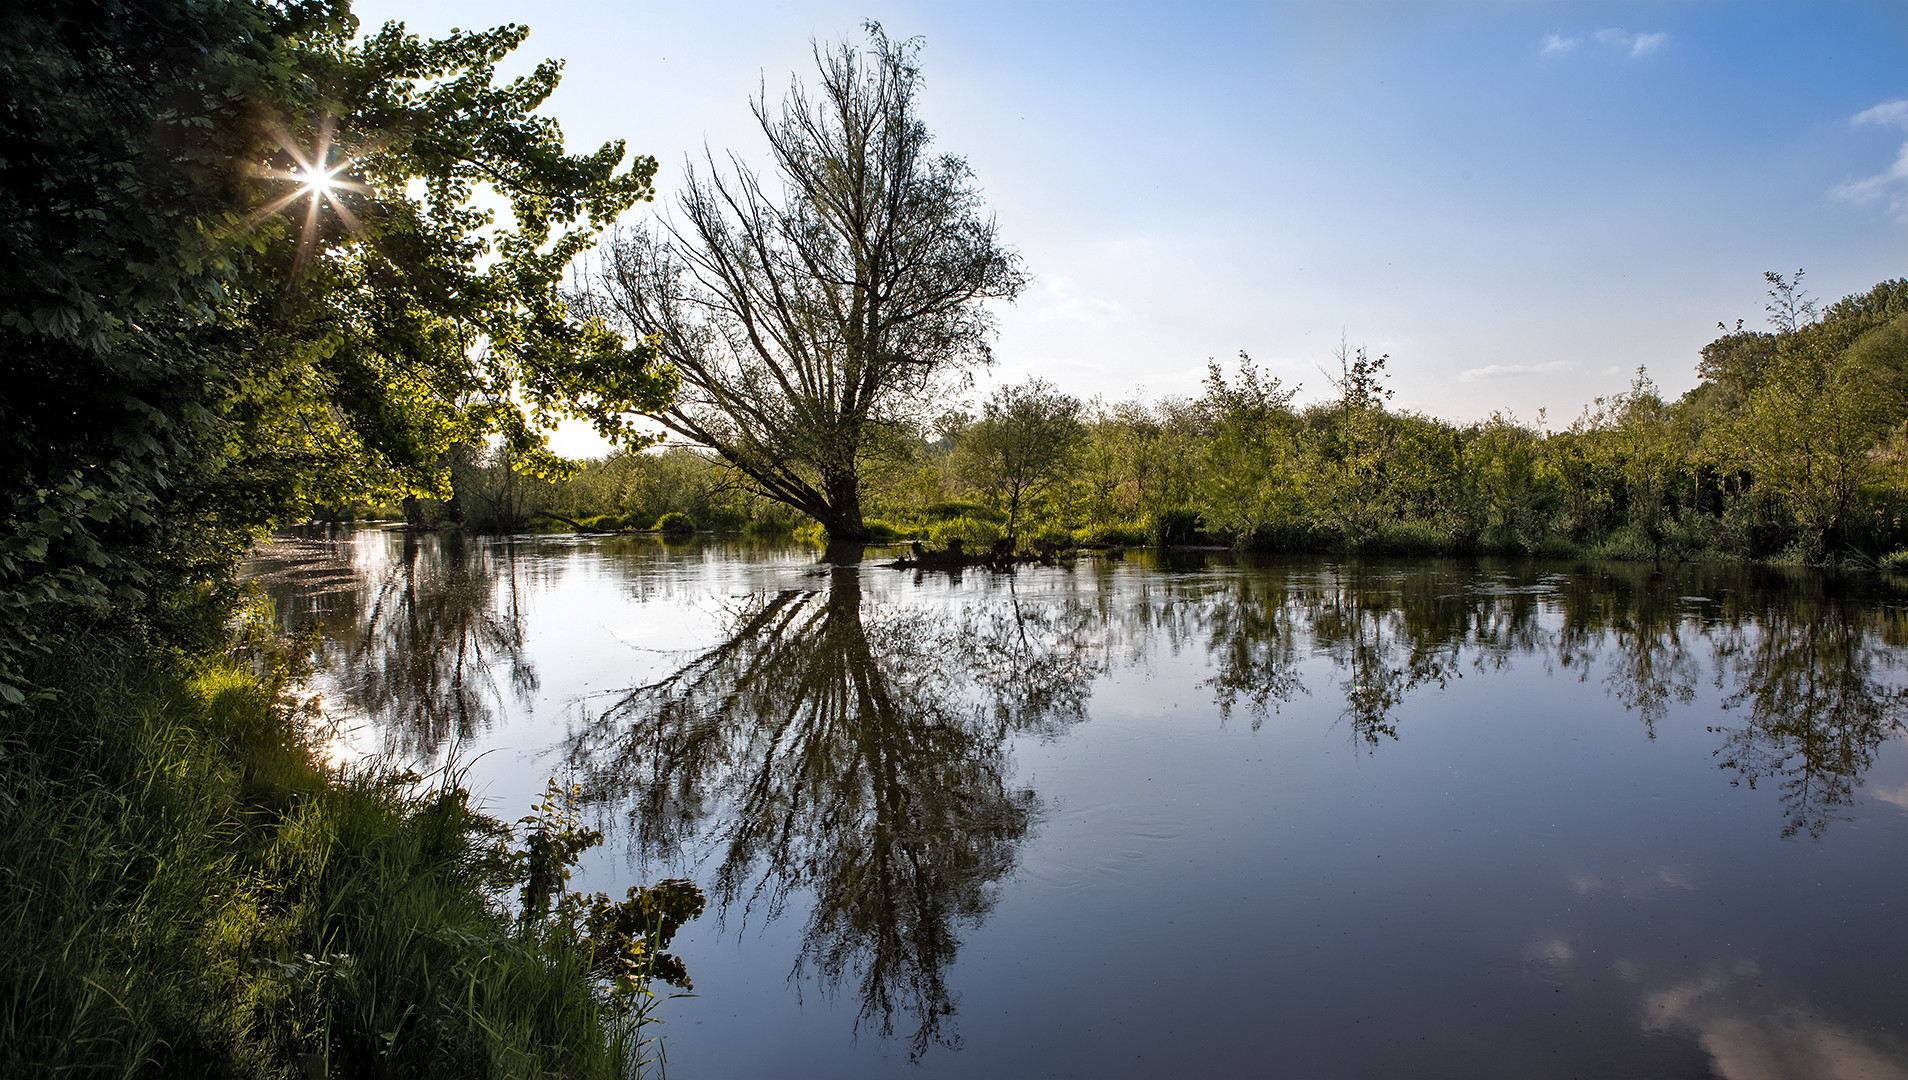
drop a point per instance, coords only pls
(579, 526)
(588, 531)
(955, 556)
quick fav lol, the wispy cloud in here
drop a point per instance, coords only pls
(1888, 114)
(1557, 44)
(1062, 299)
(1506, 371)
(1636, 45)
(1890, 184)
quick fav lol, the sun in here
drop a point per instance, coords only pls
(322, 178)
(318, 182)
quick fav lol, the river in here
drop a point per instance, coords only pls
(1188, 814)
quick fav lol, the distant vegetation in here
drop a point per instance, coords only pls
(1792, 448)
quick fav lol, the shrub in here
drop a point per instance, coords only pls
(1118, 533)
(1177, 526)
(946, 511)
(675, 523)
(976, 535)
(1405, 538)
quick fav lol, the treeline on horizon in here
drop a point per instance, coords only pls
(1790, 448)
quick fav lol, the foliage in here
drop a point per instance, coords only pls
(191, 890)
(638, 489)
(1810, 431)
(1253, 486)
(806, 332)
(197, 348)
(1022, 446)
(675, 522)
(1357, 448)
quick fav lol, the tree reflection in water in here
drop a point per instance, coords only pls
(857, 753)
(1810, 670)
(417, 643)
(860, 757)
(437, 634)
(1810, 681)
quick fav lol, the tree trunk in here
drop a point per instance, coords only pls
(843, 519)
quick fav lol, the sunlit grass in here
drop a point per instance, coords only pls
(188, 888)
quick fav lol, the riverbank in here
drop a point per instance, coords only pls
(190, 888)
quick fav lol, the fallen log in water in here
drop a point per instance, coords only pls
(955, 556)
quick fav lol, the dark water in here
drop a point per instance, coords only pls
(1196, 816)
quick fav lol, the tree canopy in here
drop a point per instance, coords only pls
(1023, 445)
(807, 326)
(248, 268)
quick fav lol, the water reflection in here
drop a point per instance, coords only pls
(1811, 683)
(1752, 1034)
(423, 632)
(841, 754)
(856, 756)
(1812, 670)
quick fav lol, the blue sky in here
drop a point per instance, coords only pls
(1519, 202)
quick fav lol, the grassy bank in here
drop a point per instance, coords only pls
(187, 889)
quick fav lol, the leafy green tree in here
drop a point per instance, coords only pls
(1638, 434)
(1357, 455)
(1502, 458)
(803, 329)
(1812, 432)
(245, 272)
(1252, 481)
(1022, 447)
(1736, 362)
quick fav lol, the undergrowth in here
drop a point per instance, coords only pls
(188, 889)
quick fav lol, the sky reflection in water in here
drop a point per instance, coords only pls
(1190, 815)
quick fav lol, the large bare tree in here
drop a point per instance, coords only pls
(808, 327)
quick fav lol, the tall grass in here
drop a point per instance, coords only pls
(187, 889)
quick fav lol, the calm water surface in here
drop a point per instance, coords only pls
(1190, 815)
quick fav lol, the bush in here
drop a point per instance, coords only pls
(1117, 533)
(1178, 526)
(1405, 538)
(675, 523)
(1628, 543)
(975, 534)
(947, 511)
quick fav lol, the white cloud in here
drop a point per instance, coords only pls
(1647, 43)
(1503, 371)
(1634, 44)
(1557, 44)
(1892, 183)
(1891, 113)
(1062, 299)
